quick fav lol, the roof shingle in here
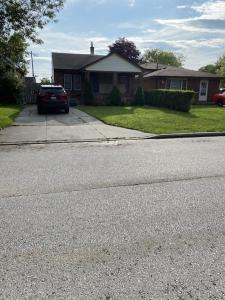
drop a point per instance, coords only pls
(180, 72)
(68, 61)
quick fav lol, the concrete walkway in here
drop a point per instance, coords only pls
(76, 126)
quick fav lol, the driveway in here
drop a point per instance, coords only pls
(75, 126)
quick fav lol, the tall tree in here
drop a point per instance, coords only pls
(20, 21)
(126, 48)
(25, 17)
(163, 57)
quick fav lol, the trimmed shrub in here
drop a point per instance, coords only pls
(88, 96)
(114, 97)
(180, 100)
(139, 96)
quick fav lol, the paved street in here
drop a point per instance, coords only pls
(75, 126)
(113, 220)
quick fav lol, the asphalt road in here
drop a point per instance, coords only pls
(117, 220)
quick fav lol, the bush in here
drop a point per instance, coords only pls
(88, 96)
(179, 100)
(10, 87)
(139, 97)
(114, 97)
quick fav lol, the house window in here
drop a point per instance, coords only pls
(76, 82)
(176, 84)
(68, 82)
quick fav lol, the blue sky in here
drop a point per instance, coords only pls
(195, 29)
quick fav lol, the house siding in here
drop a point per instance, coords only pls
(113, 63)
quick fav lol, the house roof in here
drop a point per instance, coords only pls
(68, 61)
(181, 72)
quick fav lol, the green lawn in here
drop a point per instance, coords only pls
(8, 114)
(160, 120)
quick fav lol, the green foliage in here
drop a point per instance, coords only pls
(163, 57)
(45, 81)
(139, 97)
(127, 49)
(25, 17)
(209, 68)
(174, 99)
(220, 69)
(88, 96)
(217, 68)
(114, 97)
(10, 87)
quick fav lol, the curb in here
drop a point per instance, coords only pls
(155, 137)
(188, 135)
(72, 141)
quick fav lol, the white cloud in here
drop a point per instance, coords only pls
(209, 11)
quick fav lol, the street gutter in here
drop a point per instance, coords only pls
(155, 137)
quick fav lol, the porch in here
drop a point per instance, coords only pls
(103, 82)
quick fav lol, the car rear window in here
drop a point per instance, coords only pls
(55, 91)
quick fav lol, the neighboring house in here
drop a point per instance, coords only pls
(103, 72)
(165, 77)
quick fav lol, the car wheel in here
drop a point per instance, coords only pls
(67, 110)
(40, 111)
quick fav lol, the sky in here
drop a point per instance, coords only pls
(195, 29)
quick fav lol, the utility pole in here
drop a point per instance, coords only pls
(32, 64)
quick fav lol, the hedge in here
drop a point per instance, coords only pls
(179, 100)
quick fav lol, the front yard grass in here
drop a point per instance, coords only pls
(201, 118)
(7, 114)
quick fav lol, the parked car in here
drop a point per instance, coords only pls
(52, 97)
(219, 98)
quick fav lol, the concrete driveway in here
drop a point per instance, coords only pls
(75, 126)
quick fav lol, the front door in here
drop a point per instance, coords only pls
(203, 91)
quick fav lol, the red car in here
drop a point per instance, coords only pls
(52, 97)
(219, 98)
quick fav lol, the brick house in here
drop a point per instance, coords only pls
(103, 72)
(160, 77)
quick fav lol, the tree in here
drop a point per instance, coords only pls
(209, 68)
(26, 17)
(163, 57)
(217, 68)
(20, 21)
(126, 48)
(45, 80)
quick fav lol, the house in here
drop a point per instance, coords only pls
(103, 72)
(166, 77)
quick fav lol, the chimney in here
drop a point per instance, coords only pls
(92, 49)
